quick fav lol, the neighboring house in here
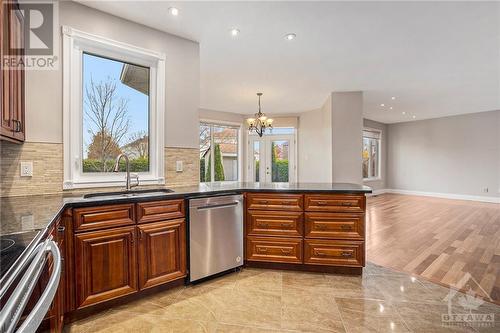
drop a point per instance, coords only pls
(229, 150)
(137, 148)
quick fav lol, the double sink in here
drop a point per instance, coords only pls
(128, 194)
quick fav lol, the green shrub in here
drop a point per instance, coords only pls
(140, 164)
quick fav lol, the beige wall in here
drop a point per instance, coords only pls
(455, 155)
(347, 126)
(44, 88)
(379, 184)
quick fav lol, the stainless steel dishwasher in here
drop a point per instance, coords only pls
(215, 235)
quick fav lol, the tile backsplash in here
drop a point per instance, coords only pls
(47, 161)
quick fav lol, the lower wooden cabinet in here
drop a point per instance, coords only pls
(105, 265)
(162, 252)
(274, 249)
(334, 252)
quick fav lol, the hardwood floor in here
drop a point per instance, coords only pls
(441, 240)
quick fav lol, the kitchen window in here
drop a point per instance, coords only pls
(371, 154)
(219, 152)
(113, 104)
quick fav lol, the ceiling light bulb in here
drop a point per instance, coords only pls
(290, 36)
(390, 108)
(393, 98)
(235, 32)
(403, 113)
(382, 104)
(173, 11)
(414, 117)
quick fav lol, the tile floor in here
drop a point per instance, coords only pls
(257, 300)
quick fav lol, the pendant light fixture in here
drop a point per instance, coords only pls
(260, 122)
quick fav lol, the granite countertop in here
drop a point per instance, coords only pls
(33, 215)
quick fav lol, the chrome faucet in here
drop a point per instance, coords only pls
(128, 183)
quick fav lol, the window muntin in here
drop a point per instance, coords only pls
(116, 114)
(219, 152)
(371, 154)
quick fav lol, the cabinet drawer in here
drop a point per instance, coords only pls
(268, 223)
(160, 210)
(269, 249)
(334, 225)
(335, 203)
(338, 253)
(271, 201)
(94, 218)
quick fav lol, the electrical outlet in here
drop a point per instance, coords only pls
(27, 169)
(178, 166)
(486, 190)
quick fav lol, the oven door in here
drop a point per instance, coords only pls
(44, 255)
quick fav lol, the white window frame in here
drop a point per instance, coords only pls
(240, 151)
(379, 162)
(75, 43)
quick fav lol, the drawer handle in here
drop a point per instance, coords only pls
(347, 204)
(286, 225)
(61, 228)
(263, 202)
(286, 203)
(345, 227)
(261, 250)
(346, 254)
(321, 254)
(286, 251)
(263, 225)
(321, 226)
(322, 203)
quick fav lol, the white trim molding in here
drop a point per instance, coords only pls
(440, 195)
(75, 43)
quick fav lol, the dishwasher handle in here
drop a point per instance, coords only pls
(15, 305)
(224, 205)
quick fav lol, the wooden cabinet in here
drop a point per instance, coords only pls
(105, 264)
(334, 253)
(160, 210)
(268, 223)
(335, 203)
(103, 217)
(12, 80)
(279, 250)
(334, 225)
(272, 201)
(162, 252)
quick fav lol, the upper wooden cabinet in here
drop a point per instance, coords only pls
(162, 252)
(12, 81)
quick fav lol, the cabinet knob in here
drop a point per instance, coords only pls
(346, 254)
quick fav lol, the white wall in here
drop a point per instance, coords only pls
(44, 88)
(347, 127)
(379, 184)
(314, 158)
(457, 155)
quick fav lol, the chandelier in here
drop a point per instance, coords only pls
(260, 122)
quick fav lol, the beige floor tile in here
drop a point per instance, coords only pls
(363, 322)
(225, 328)
(404, 288)
(260, 280)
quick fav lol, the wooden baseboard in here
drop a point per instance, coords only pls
(306, 268)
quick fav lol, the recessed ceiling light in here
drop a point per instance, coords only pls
(393, 98)
(390, 107)
(290, 36)
(173, 11)
(414, 117)
(382, 104)
(235, 32)
(403, 113)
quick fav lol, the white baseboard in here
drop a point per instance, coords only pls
(440, 195)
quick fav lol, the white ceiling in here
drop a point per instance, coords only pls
(436, 58)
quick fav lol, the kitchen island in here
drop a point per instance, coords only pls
(118, 247)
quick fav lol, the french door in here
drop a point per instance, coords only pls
(271, 159)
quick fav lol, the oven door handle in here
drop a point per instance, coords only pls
(15, 305)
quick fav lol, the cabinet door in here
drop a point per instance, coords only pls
(162, 252)
(105, 264)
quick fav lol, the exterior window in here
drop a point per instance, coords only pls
(113, 103)
(115, 114)
(371, 154)
(219, 153)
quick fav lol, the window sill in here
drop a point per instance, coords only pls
(69, 185)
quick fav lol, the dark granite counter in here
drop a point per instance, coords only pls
(36, 213)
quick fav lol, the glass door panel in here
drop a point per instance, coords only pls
(280, 164)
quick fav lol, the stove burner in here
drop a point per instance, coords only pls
(6, 244)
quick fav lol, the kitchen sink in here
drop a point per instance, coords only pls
(128, 194)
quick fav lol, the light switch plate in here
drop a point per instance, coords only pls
(178, 166)
(27, 169)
